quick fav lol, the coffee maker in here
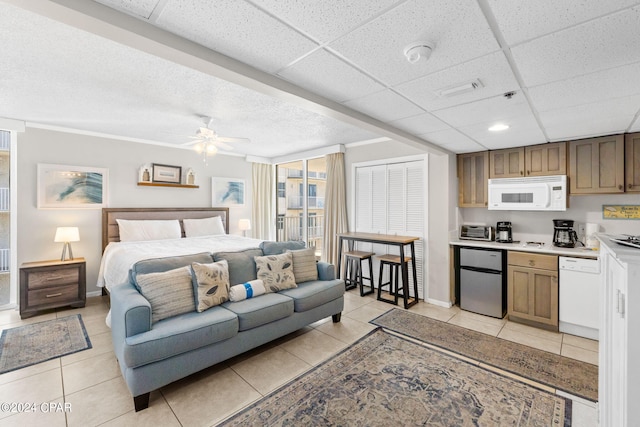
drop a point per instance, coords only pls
(564, 235)
(503, 232)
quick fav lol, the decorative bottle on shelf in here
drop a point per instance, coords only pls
(145, 176)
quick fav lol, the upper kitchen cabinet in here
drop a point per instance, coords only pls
(546, 159)
(596, 165)
(632, 159)
(507, 163)
(473, 173)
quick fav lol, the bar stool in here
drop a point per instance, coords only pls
(394, 263)
(353, 276)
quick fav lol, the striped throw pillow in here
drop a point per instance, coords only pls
(170, 293)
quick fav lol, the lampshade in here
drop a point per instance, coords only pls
(67, 234)
(244, 225)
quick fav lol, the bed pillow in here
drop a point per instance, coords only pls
(210, 284)
(203, 227)
(139, 230)
(276, 271)
(304, 265)
(170, 293)
(252, 288)
(276, 248)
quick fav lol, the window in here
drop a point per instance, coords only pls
(282, 189)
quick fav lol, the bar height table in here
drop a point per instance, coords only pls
(386, 239)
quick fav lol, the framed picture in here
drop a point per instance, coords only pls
(72, 187)
(167, 174)
(227, 191)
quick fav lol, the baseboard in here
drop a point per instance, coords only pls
(445, 304)
(94, 294)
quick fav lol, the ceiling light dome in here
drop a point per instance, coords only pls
(498, 127)
(417, 51)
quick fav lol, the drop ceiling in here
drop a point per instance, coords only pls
(298, 75)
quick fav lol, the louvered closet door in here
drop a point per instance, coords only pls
(371, 207)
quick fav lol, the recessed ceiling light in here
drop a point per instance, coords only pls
(498, 127)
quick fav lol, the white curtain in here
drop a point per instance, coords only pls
(263, 196)
(335, 207)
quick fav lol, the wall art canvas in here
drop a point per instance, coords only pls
(72, 187)
(227, 191)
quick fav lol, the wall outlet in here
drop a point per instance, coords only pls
(580, 231)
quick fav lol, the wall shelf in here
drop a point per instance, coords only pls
(166, 184)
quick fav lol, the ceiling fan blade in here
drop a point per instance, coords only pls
(195, 141)
(232, 139)
(221, 145)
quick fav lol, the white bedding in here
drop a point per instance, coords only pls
(119, 257)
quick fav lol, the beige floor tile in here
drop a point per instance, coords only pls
(579, 354)
(100, 344)
(29, 371)
(270, 369)
(435, 312)
(89, 372)
(95, 307)
(488, 328)
(313, 347)
(347, 330)
(100, 403)
(43, 387)
(14, 322)
(468, 315)
(365, 313)
(583, 415)
(158, 414)
(585, 343)
(50, 414)
(353, 302)
(530, 340)
(204, 400)
(530, 330)
(95, 325)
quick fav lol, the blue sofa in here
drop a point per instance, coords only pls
(152, 355)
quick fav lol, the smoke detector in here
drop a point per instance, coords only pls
(418, 50)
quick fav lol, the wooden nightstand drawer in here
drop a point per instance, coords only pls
(55, 295)
(44, 279)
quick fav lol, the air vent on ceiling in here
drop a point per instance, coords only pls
(460, 88)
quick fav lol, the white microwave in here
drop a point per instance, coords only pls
(536, 193)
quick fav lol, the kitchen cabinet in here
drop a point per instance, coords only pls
(632, 162)
(532, 289)
(507, 163)
(618, 387)
(596, 165)
(546, 159)
(473, 175)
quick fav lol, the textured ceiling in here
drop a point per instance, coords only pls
(294, 75)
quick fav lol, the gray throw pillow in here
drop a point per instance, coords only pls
(170, 293)
(304, 265)
(277, 248)
(242, 267)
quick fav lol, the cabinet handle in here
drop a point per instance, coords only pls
(629, 186)
(54, 295)
(620, 187)
(528, 172)
(52, 278)
(521, 173)
(532, 263)
(620, 303)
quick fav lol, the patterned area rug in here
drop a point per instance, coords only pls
(385, 380)
(38, 342)
(562, 373)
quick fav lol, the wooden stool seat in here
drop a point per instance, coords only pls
(353, 276)
(394, 262)
(393, 259)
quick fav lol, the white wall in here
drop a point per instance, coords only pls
(36, 227)
(441, 207)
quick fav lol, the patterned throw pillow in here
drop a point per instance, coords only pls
(170, 293)
(276, 271)
(211, 284)
(304, 265)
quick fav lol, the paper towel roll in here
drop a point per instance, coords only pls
(590, 229)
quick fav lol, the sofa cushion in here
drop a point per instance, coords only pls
(157, 265)
(169, 292)
(242, 267)
(277, 248)
(179, 335)
(261, 310)
(210, 284)
(304, 265)
(276, 271)
(314, 293)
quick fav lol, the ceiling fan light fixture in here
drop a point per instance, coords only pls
(417, 51)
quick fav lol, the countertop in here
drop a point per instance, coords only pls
(546, 248)
(622, 252)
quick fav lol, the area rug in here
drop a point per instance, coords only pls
(385, 380)
(562, 373)
(38, 342)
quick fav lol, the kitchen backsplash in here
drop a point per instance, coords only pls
(538, 226)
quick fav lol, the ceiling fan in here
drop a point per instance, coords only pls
(207, 141)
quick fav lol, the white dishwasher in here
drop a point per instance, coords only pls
(579, 296)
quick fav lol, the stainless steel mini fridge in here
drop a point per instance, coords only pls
(483, 285)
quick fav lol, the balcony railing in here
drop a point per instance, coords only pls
(5, 259)
(5, 201)
(297, 202)
(290, 228)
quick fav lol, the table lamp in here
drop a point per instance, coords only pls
(66, 235)
(244, 225)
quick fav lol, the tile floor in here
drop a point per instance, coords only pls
(90, 381)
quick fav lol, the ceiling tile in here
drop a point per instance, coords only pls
(458, 29)
(453, 141)
(636, 126)
(236, 29)
(420, 124)
(582, 121)
(520, 21)
(323, 73)
(492, 70)
(324, 20)
(607, 42)
(523, 130)
(489, 111)
(137, 8)
(589, 88)
(386, 106)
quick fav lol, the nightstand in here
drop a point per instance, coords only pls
(50, 284)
